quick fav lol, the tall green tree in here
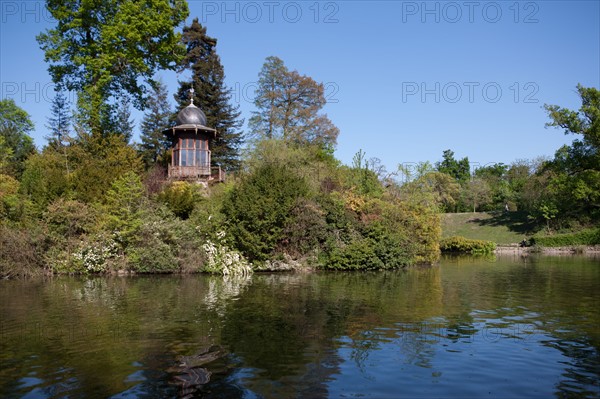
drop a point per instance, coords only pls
(16, 144)
(288, 106)
(211, 94)
(156, 119)
(459, 169)
(576, 168)
(111, 47)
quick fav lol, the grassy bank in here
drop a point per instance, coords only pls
(501, 228)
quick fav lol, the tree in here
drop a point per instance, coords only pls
(111, 47)
(479, 192)
(259, 207)
(576, 182)
(45, 178)
(15, 144)
(59, 122)
(157, 118)
(436, 187)
(123, 124)
(124, 206)
(288, 106)
(460, 170)
(97, 162)
(495, 175)
(211, 94)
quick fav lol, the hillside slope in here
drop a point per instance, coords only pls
(501, 228)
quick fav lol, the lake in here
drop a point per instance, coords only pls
(506, 327)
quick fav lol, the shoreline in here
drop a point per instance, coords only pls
(569, 250)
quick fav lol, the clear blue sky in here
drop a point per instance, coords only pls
(405, 80)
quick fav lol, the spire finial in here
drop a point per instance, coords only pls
(192, 95)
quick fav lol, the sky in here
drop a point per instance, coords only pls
(404, 80)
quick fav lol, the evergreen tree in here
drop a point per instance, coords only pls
(59, 122)
(154, 142)
(122, 124)
(211, 94)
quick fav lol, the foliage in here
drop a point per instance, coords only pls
(363, 177)
(164, 243)
(155, 246)
(123, 207)
(208, 218)
(5, 154)
(460, 244)
(22, 251)
(70, 218)
(111, 48)
(94, 254)
(458, 169)
(155, 144)
(59, 123)
(97, 162)
(12, 205)
(180, 197)
(437, 188)
(358, 255)
(582, 237)
(575, 182)
(288, 106)
(45, 178)
(259, 207)
(222, 260)
(15, 143)
(211, 94)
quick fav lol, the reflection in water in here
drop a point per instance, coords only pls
(467, 328)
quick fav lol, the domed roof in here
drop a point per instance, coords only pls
(191, 115)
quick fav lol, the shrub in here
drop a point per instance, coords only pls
(369, 254)
(458, 244)
(358, 255)
(45, 178)
(82, 256)
(12, 205)
(180, 197)
(583, 237)
(152, 256)
(69, 218)
(158, 242)
(225, 261)
(259, 208)
(21, 252)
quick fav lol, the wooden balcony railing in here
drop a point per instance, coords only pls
(202, 172)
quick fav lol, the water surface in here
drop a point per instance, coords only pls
(467, 328)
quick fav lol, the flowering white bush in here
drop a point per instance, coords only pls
(94, 255)
(221, 259)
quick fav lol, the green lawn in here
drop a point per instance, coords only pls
(501, 228)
